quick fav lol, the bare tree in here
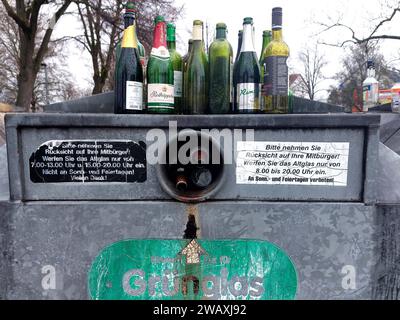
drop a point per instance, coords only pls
(32, 50)
(313, 63)
(391, 10)
(52, 88)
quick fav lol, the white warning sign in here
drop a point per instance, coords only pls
(292, 163)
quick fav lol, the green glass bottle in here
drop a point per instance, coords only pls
(130, 7)
(220, 60)
(177, 64)
(197, 74)
(128, 72)
(276, 74)
(160, 72)
(246, 74)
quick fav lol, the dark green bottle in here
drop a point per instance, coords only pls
(197, 74)
(177, 64)
(129, 72)
(247, 74)
(160, 73)
(221, 65)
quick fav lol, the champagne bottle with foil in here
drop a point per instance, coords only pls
(130, 9)
(160, 72)
(197, 74)
(276, 74)
(246, 74)
(220, 60)
(177, 64)
(129, 72)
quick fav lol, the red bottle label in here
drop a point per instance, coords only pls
(160, 41)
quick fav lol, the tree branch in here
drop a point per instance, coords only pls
(23, 24)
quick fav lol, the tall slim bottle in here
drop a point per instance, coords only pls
(128, 90)
(370, 88)
(276, 74)
(197, 74)
(246, 74)
(221, 65)
(160, 72)
(185, 60)
(177, 64)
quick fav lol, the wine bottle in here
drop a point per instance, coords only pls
(246, 75)
(276, 75)
(130, 7)
(129, 72)
(220, 59)
(370, 88)
(160, 72)
(197, 74)
(177, 64)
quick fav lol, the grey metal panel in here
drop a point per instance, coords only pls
(104, 103)
(4, 184)
(32, 138)
(320, 238)
(387, 275)
(389, 176)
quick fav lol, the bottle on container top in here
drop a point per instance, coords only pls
(370, 88)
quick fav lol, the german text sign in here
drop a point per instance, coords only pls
(293, 163)
(88, 162)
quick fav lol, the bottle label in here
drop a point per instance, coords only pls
(371, 93)
(160, 96)
(134, 96)
(276, 76)
(248, 96)
(178, 83)
(197, 33)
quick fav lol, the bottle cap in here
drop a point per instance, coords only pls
(159, 19)
(248, 20)
(277, 18)
(198, 23)
(267, 33)
(130, 7)
(221, 25)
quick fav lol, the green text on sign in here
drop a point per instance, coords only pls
(192, 270)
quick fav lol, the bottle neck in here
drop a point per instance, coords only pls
(247, 41)
(371, 73)
(160, 35)
(240, 41)
(129, 39)
(171, 45)
(129, 20)
(197, 34)
(277, 34)
(221, 34)
(266, 41)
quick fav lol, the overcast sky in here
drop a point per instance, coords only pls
(299, 25)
